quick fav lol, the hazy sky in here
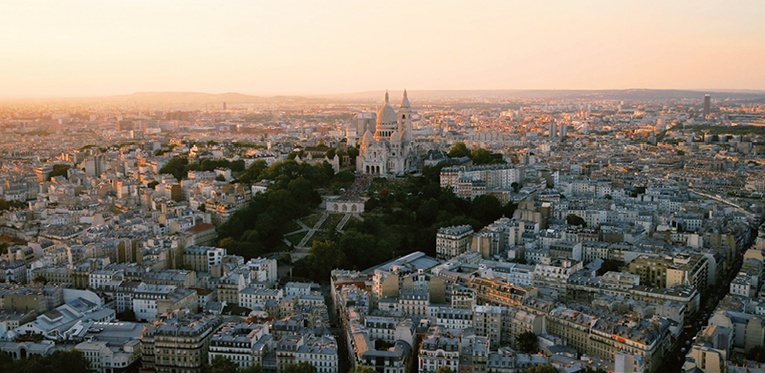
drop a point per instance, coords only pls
(100, 47)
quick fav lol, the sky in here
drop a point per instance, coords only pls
(75, 48)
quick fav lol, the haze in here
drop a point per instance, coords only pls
(90, 48)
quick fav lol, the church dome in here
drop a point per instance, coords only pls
(367, 138)
(386, 114)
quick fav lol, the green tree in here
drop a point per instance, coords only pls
(40, 279)
(444, 369)
(459, 150)
(127, 315)
(527, 342)
(486, 209)
(330, 153)
(252, 369)
(237, 165)
(542, 369)
(8, 205)
(152, 184)
(516, 187)
(353, 152)
(427, 211)
(327, 256)
(359, 248)
(572, 219)
(594, 370)
(757, 353)
(301, 367)
(220, 364)
(482, 156)
(363, 369)
(60, 170)
(63, 361)
(176, 166)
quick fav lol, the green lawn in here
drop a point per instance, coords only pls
(311, 220)
(318, 236)
(295, 238)
(332, 221)
(293, 226)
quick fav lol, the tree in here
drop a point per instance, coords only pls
(60, 170)
(363, 369)
(252, 369)
(8, 205)
(595, 370)
(757, 353)
(359, 248)
(176, 166)
(516, 187)
(542, 369)
(482, 156)
(572, 219)
(327, 256)
(527, 342)
(220, 364)
(41, 279)
(152, 184)
(301, 367)
(486, 209)
(444, 369)
(330, 153)
(459, 150)
(127, 315)
(353, 152)
(220, 178)
(237, 165)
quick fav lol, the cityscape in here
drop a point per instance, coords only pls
(201, 199)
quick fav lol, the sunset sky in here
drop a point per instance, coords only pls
(103, 47)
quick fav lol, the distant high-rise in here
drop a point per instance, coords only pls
(224, 105)
(707, 105)
(553, 129)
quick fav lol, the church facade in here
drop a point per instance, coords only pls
(387, 146)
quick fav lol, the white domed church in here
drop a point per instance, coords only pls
(387, 147)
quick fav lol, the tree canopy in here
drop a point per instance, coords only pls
(259, 228)
(527, 342)
(542, 369)
(572, 219)
(459, 150)
(8, 205)
(479, 156)
(179, 166)
(301, 367)
(404, 216)
(60, 170)
(58, 362)
(363, 369)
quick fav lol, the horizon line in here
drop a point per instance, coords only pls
(313, 95)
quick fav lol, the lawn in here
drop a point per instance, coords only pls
(295, 238)
(311, 220)
(332, 221)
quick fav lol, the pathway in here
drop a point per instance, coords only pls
(313, 230)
